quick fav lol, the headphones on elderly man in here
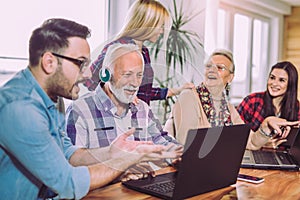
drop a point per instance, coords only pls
(104, 75)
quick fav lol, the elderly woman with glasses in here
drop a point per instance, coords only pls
(207, 105)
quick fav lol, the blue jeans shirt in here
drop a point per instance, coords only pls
(34, 149)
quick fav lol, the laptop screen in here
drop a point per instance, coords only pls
(295, 149)
(211, 160)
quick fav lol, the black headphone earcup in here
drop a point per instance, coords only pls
(104, 75)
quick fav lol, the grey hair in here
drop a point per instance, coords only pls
(117, 50)
(226, 53)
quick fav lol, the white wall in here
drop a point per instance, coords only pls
(19, 18)
(118, 10)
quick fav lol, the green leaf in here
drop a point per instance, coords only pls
(181, 46)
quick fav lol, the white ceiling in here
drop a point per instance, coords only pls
(283, 7)
(292, 2)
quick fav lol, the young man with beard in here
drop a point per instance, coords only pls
(97, 118)
(37, 159)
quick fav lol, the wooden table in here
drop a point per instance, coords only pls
(277, 185)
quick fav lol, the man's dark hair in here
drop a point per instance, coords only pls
(53, 36)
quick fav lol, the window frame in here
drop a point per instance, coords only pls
(275, 23)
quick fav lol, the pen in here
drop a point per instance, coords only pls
(104, 128)
(137, 128)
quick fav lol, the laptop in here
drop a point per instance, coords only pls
(211, 160)
(286, 157)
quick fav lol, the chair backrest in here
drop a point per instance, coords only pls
(61, 105)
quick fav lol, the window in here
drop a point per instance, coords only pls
(246, 34)
(19, 18)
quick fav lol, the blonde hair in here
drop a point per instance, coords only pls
(143, 18)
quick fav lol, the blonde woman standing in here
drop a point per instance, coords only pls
(145, 21)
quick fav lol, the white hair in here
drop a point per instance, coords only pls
(117, 50)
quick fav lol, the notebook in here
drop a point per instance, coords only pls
(287, 158)
(211, 160)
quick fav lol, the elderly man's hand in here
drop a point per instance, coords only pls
(141, 150)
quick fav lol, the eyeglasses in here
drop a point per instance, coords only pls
(220, 67)
(82, 64)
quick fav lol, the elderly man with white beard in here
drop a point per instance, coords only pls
(97, 118)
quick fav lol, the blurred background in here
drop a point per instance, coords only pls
(259, 32)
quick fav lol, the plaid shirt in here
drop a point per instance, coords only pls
(146, 92)
(251, 110)
(91, 122)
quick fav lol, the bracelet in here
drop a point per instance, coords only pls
(269, 135)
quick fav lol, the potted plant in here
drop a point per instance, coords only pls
(181, 45)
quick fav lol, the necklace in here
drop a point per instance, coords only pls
(222, 118)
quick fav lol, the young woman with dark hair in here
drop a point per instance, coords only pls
(279, 100)
(288, 107)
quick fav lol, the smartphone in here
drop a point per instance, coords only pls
(251, 179)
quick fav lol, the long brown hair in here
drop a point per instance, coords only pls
(289, 105)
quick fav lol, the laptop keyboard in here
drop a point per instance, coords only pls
(164, 187)
(262, 157)
(282, 156)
